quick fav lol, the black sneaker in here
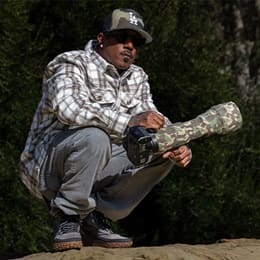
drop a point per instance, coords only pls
(96, 231)
(67, 233)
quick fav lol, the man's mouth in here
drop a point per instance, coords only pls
(127, 56)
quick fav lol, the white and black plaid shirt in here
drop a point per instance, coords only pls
(80, 89)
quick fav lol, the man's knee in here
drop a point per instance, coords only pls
(94, 138)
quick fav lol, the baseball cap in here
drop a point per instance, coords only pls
(122, 19)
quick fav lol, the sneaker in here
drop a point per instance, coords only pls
(67, 233)
(96, 231)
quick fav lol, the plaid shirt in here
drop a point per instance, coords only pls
(80, 89)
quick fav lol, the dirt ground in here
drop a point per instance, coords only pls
(234, 249)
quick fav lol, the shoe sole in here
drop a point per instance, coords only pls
(112, 244)
(62, 246)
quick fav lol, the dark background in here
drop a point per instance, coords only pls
(203, 53)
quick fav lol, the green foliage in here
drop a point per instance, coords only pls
(213, 200)
(19, 72)
(217, 196)
(23, 222)
(185, 69)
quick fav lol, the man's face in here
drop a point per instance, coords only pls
(120, 47)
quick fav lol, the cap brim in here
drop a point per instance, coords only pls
(148, 38)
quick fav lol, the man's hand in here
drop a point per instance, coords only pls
(149, 119)
(181, 155)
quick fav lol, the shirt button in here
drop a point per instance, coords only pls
(99, 98)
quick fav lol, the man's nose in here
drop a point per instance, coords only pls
(129, 43)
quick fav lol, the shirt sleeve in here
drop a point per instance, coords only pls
(71, 103)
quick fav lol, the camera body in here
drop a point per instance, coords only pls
(140, 144)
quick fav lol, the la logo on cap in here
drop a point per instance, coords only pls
(132, 19)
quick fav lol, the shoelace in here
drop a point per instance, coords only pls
(67, 227)
(102, 222)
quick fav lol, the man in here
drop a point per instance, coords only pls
(73, 157)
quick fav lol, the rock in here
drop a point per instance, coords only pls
(233, 249)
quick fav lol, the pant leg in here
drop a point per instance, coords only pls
(74, 161)
(117, 199)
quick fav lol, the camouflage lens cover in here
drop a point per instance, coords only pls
(219, 119)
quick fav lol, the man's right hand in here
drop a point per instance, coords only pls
(148, 119)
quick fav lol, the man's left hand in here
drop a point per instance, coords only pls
(181, 155)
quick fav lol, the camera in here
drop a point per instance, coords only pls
(140, 144)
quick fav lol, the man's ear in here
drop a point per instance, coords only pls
(100, 38)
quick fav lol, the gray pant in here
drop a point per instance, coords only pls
(84, 171)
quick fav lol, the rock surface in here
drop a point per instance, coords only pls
(234, 249)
